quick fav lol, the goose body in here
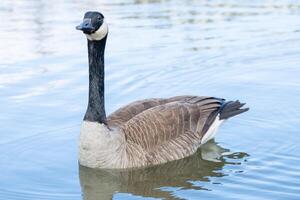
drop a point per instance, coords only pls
(146, 132)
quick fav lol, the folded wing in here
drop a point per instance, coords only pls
(172, 130)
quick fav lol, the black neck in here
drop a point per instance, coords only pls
(96, 110)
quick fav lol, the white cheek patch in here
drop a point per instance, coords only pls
(100, 33)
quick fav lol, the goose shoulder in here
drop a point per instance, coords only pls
(125, 113)
(173, 130)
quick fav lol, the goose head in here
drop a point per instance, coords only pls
(93, 26)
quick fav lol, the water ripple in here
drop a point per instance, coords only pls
(247, 50)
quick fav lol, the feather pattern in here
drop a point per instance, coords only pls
(161, 130)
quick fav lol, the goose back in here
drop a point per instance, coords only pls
(125, 113)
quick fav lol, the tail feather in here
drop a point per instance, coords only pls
(232, 108)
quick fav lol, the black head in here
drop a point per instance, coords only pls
(92, 21)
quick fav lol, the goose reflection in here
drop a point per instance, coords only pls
(206, 163)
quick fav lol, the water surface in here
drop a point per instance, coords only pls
(247, 50)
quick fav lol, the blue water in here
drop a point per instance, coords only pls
(247, 50)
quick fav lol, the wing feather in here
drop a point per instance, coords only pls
(172, 130)
(125, 113)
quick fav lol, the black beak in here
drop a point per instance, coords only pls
(86, 26)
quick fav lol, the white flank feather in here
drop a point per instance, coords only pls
(212, 131)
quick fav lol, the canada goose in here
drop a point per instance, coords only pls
(146, 132)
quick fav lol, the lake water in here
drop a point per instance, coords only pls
(247, 50)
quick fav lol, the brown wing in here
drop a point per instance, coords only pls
(173, 130)
(123, 114)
